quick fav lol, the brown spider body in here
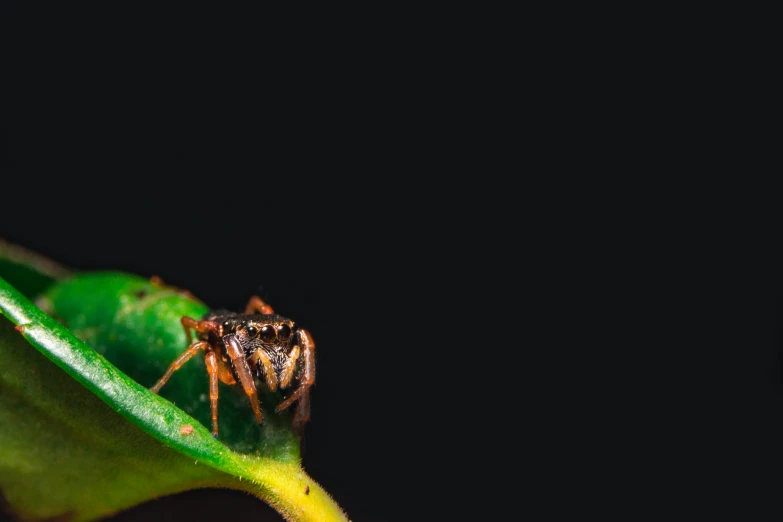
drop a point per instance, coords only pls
(240, 347)
(273, 334)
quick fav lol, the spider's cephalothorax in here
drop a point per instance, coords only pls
(237, 346)
(269, 342)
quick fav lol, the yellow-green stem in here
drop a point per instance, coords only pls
(287, 488)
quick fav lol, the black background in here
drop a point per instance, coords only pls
(149, 142)
(358, 179)
(349, 174)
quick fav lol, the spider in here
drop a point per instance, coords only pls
(238, 345)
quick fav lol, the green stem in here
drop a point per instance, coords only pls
(32, 260)
(288, 489)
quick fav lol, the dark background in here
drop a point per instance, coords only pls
(375, 186)
(312, 172)
(350, 175)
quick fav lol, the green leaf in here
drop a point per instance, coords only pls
(80, 438)
(136, 325)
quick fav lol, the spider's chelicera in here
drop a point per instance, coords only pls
(260, 343)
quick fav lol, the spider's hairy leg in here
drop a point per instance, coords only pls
(307, 379)
(178, 362)
(212, 370)
(199, 326)
(158, 281)
(223, 369)
(258, 305)
(302, 414)
(243, 372)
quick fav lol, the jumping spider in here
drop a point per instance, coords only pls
(236, 344)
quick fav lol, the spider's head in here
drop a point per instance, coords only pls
(273, 333)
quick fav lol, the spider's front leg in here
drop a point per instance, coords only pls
(237, 355)
(306, 380)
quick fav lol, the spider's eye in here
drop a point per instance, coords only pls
(267, 333)
(283, 332)
(227, 325)
(252, 331)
